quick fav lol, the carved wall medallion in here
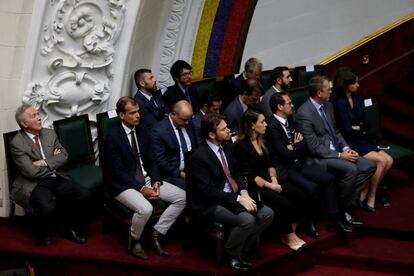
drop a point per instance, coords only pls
(73, 67)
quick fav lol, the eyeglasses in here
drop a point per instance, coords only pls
(186, 74)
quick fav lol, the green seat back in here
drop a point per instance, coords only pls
(373, 113)
(103, 125)
(266, 79)
(205, 86)
(298, 98)
(75, 136)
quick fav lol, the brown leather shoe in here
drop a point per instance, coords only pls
(156, 244)
(139, 252)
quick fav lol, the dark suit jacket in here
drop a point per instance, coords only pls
(277, 140)
(348, 117)
(150, 115)
(206, 181)
(24, 152)
(175, 94)
(120, 161)
(311, 126)
(165, 147)
(233, 113)
(197, 118)
(236, 84)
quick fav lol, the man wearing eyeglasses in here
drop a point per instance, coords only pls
(182, 73)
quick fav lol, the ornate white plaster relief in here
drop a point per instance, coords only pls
(71, 67)
(178, 39)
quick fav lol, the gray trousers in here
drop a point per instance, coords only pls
(352, 177)
(245, 228)
(143, 208)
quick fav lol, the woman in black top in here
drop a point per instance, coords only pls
(252, 162)
(353, 123)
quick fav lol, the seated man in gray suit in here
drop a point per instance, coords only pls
(315, 119)
(282, 80)
(38, 187)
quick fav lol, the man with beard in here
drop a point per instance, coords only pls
(282, 81)
(151, 103)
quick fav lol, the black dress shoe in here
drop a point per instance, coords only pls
(311, 231)
(156, 244)
(368, 208)
(71, 235)
(139, 252)
(235, 263)
(338, 227)
(243, 261)
(348, 218)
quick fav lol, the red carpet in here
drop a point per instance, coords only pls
(385, 244)
(323, 270)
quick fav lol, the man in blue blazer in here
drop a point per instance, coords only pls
(172, 140)
(135, 178)
(150, 101)
(315, 119)
(182, 73)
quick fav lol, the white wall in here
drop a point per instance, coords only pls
(15, 16)
(304, 32)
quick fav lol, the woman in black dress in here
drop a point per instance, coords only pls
(253, 162)
(353, 123)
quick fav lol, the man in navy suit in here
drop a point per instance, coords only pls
(172, 140)
(182, 73)
(135, 178)
(150, 101)
(249, 97)
(216, 194)
(252, 70)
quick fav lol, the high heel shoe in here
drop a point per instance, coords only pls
(297, 247)
(369, 208)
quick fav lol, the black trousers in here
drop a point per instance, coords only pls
(57, 200)
(315, 181)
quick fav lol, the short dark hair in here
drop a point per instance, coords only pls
(122, 102)
(210, 122)
(316, 84)
(246, 89)
(210, 97)
(139, 75)
(277, 72)
(277, 99)
(177, 67)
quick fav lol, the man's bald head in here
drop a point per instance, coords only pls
(181, 113)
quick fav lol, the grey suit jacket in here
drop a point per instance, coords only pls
(311, 126)
(264, 103)
(24, 152)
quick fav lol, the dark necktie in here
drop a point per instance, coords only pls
(187, 95)
(138, 172)
(289, 132)
(230, 179)
(37, 143)
(328, 127)
(183, 143)
(152, 101)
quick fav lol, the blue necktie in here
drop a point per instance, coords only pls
(328, 127)
(183, 143)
